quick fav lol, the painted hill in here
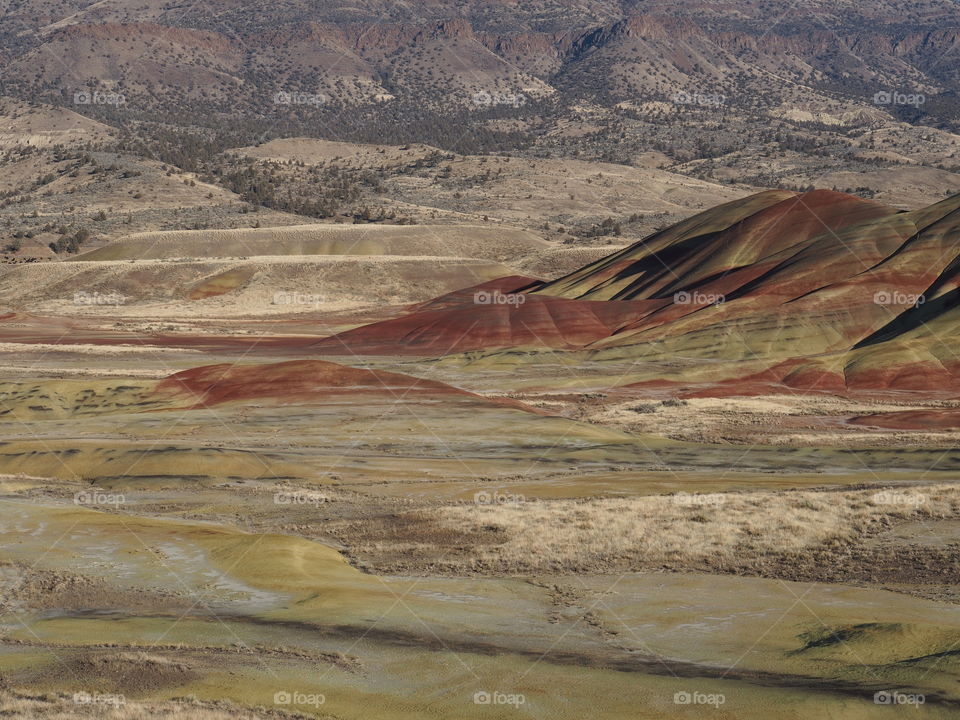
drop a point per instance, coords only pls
(491, 316)
(300, 382)
(819, 290)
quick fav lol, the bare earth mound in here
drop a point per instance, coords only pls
(816, 291)
(464, 241)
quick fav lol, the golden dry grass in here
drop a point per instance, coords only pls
(66, 707)
(685, 528)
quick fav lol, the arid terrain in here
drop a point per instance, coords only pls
(384, 467)
(387, 361)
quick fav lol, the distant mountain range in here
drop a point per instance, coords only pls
(853, 97)
(234, 57)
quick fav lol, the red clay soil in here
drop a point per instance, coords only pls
(808, 376)
(494, 315)
(911, 420)
(303, 381)
(534, 321)
(27, 329)
(809, 267)
(917, 376)
(791, 376)
(783, 379)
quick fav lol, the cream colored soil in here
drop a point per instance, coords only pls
(906, 187)
(102, 350)
(279, 285)
(456, 241)
(556, 262)
(43, 126)
(788, 420)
